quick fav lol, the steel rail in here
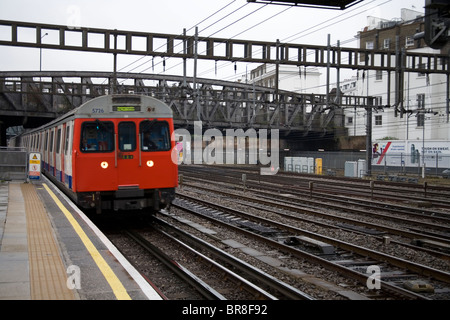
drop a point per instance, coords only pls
(293, 207)
(243, 283)
(441, 217)
(414, 267)
(182, 272)
(252, 272)
(259, 203)
(395, 290)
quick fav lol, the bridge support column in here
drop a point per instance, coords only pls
(2, 134)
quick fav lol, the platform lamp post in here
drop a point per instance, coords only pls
(40, 53)
(40, 59)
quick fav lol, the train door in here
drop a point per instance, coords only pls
(45, 151)
(127, 154)
(94, 165)
(51, 150)
(68, 155)
(157, 169)
(58, 163)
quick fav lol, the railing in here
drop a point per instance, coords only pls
(13, 163)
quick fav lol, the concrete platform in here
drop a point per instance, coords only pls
(49, 250)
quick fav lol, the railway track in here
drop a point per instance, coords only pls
(280, 289)
(219, 278)
(422, 196)
(429, 228)
(347, 260)
(206, 278)
(285, 242)
(310, 212)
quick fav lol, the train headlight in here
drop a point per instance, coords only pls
(104, 164)
(150, 163)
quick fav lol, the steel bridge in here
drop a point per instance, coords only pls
(32, 98)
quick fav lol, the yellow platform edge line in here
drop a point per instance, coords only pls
(114, 282)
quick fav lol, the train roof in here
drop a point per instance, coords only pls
(117, 106)
(122, 105)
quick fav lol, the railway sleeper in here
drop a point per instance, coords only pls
(364, 230)
(323, 247)
(430, 244)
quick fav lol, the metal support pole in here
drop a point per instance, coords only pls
(328, 68)
(397, 75)
(197, 102)
(338, 76)
(388, 89)
(184, 59)
(369, 136)
(423, 145)
(184, 90)
(114, 88)
(402, 81)
(447, 108)
(277, 79)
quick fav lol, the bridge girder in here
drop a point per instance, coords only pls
(220, 49)
(220, 104)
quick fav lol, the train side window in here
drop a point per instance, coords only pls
(97, 136)
(155, 135)
(46, 141)
(51, 140)
(58, 141)
(66, 143)
(127, 136)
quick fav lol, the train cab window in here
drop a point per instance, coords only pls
(155, 135)
(127, 136)
(97, 136)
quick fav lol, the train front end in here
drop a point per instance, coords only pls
(122, 157)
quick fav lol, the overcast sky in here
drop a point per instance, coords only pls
(227, 19)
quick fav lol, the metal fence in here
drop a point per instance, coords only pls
(13, 163)
(334, 163)
(429, 164)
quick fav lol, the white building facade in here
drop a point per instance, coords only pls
(425, 114)
(290, 78)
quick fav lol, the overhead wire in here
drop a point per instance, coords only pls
(361, 36)
(245, 16)
(326, 26)
(202, 21)
(234, 22)
(249, 28)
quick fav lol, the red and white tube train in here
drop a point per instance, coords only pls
(113, 152)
